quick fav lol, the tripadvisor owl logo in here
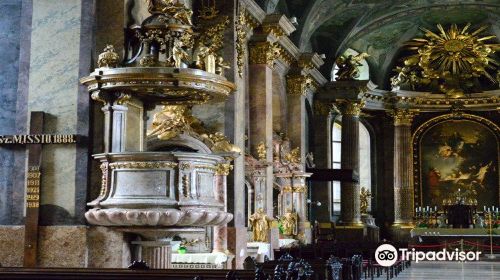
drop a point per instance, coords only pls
(386, 255)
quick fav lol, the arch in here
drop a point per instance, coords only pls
(456, 151)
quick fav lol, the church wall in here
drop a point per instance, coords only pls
(68, 246)
(10, 21)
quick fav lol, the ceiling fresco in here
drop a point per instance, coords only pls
(376, 26)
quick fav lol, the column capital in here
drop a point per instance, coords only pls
(349, 107)
(223, 169)
(298, 84)
(403, 116)
(263, 53)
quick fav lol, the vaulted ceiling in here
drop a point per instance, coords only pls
(378, 27)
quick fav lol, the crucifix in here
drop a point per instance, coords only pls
(34, 142)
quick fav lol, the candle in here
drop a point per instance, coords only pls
(435, 208)
(484, 208)
(416, 209)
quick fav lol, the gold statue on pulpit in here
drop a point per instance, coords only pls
(260, 225)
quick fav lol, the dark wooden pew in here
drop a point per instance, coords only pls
(121, 274)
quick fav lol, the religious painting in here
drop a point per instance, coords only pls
(458, 154)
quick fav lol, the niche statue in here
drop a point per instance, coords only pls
(260, 225)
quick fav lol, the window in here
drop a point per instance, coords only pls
(364, 161)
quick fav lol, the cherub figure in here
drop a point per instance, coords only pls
(220, 65)
(178, 54)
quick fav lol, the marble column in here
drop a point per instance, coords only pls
(261, 110)
(349, 193)
(403, 187)
(296, 95)
(220, 232)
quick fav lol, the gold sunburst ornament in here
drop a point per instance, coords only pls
(449, 62)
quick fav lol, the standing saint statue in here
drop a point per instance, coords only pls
(260, 225)
(289, 223)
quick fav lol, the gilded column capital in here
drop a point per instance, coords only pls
(263, 53)
(403, 116)
(223, 169)
(349, 107)
(322, 108)
(298, 84)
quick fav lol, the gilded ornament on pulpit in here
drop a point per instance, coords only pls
(259, 222)
(449, 62)
(170, 122)
(289, 223)
(364, 198)
(172, 9)
(179, 55)
(349, 66)
(109, 58)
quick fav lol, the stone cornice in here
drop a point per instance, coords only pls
(253, 9)
(310, 61)
(278, 24)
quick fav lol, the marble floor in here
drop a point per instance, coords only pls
(451, 271)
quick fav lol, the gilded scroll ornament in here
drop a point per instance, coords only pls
(349, 66)
(260, 225)
(364, 199)
(448, 62)
(109, 58)
(289, 223)
(100, 96)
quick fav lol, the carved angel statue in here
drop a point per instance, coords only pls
(259, 222)
(218, 143)
(289, 223)
(178, 55)
(169, 122)
(348, 66)
(364, 198)
(171, 9)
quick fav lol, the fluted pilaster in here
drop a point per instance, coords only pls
(403, 165)
(349, 193)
